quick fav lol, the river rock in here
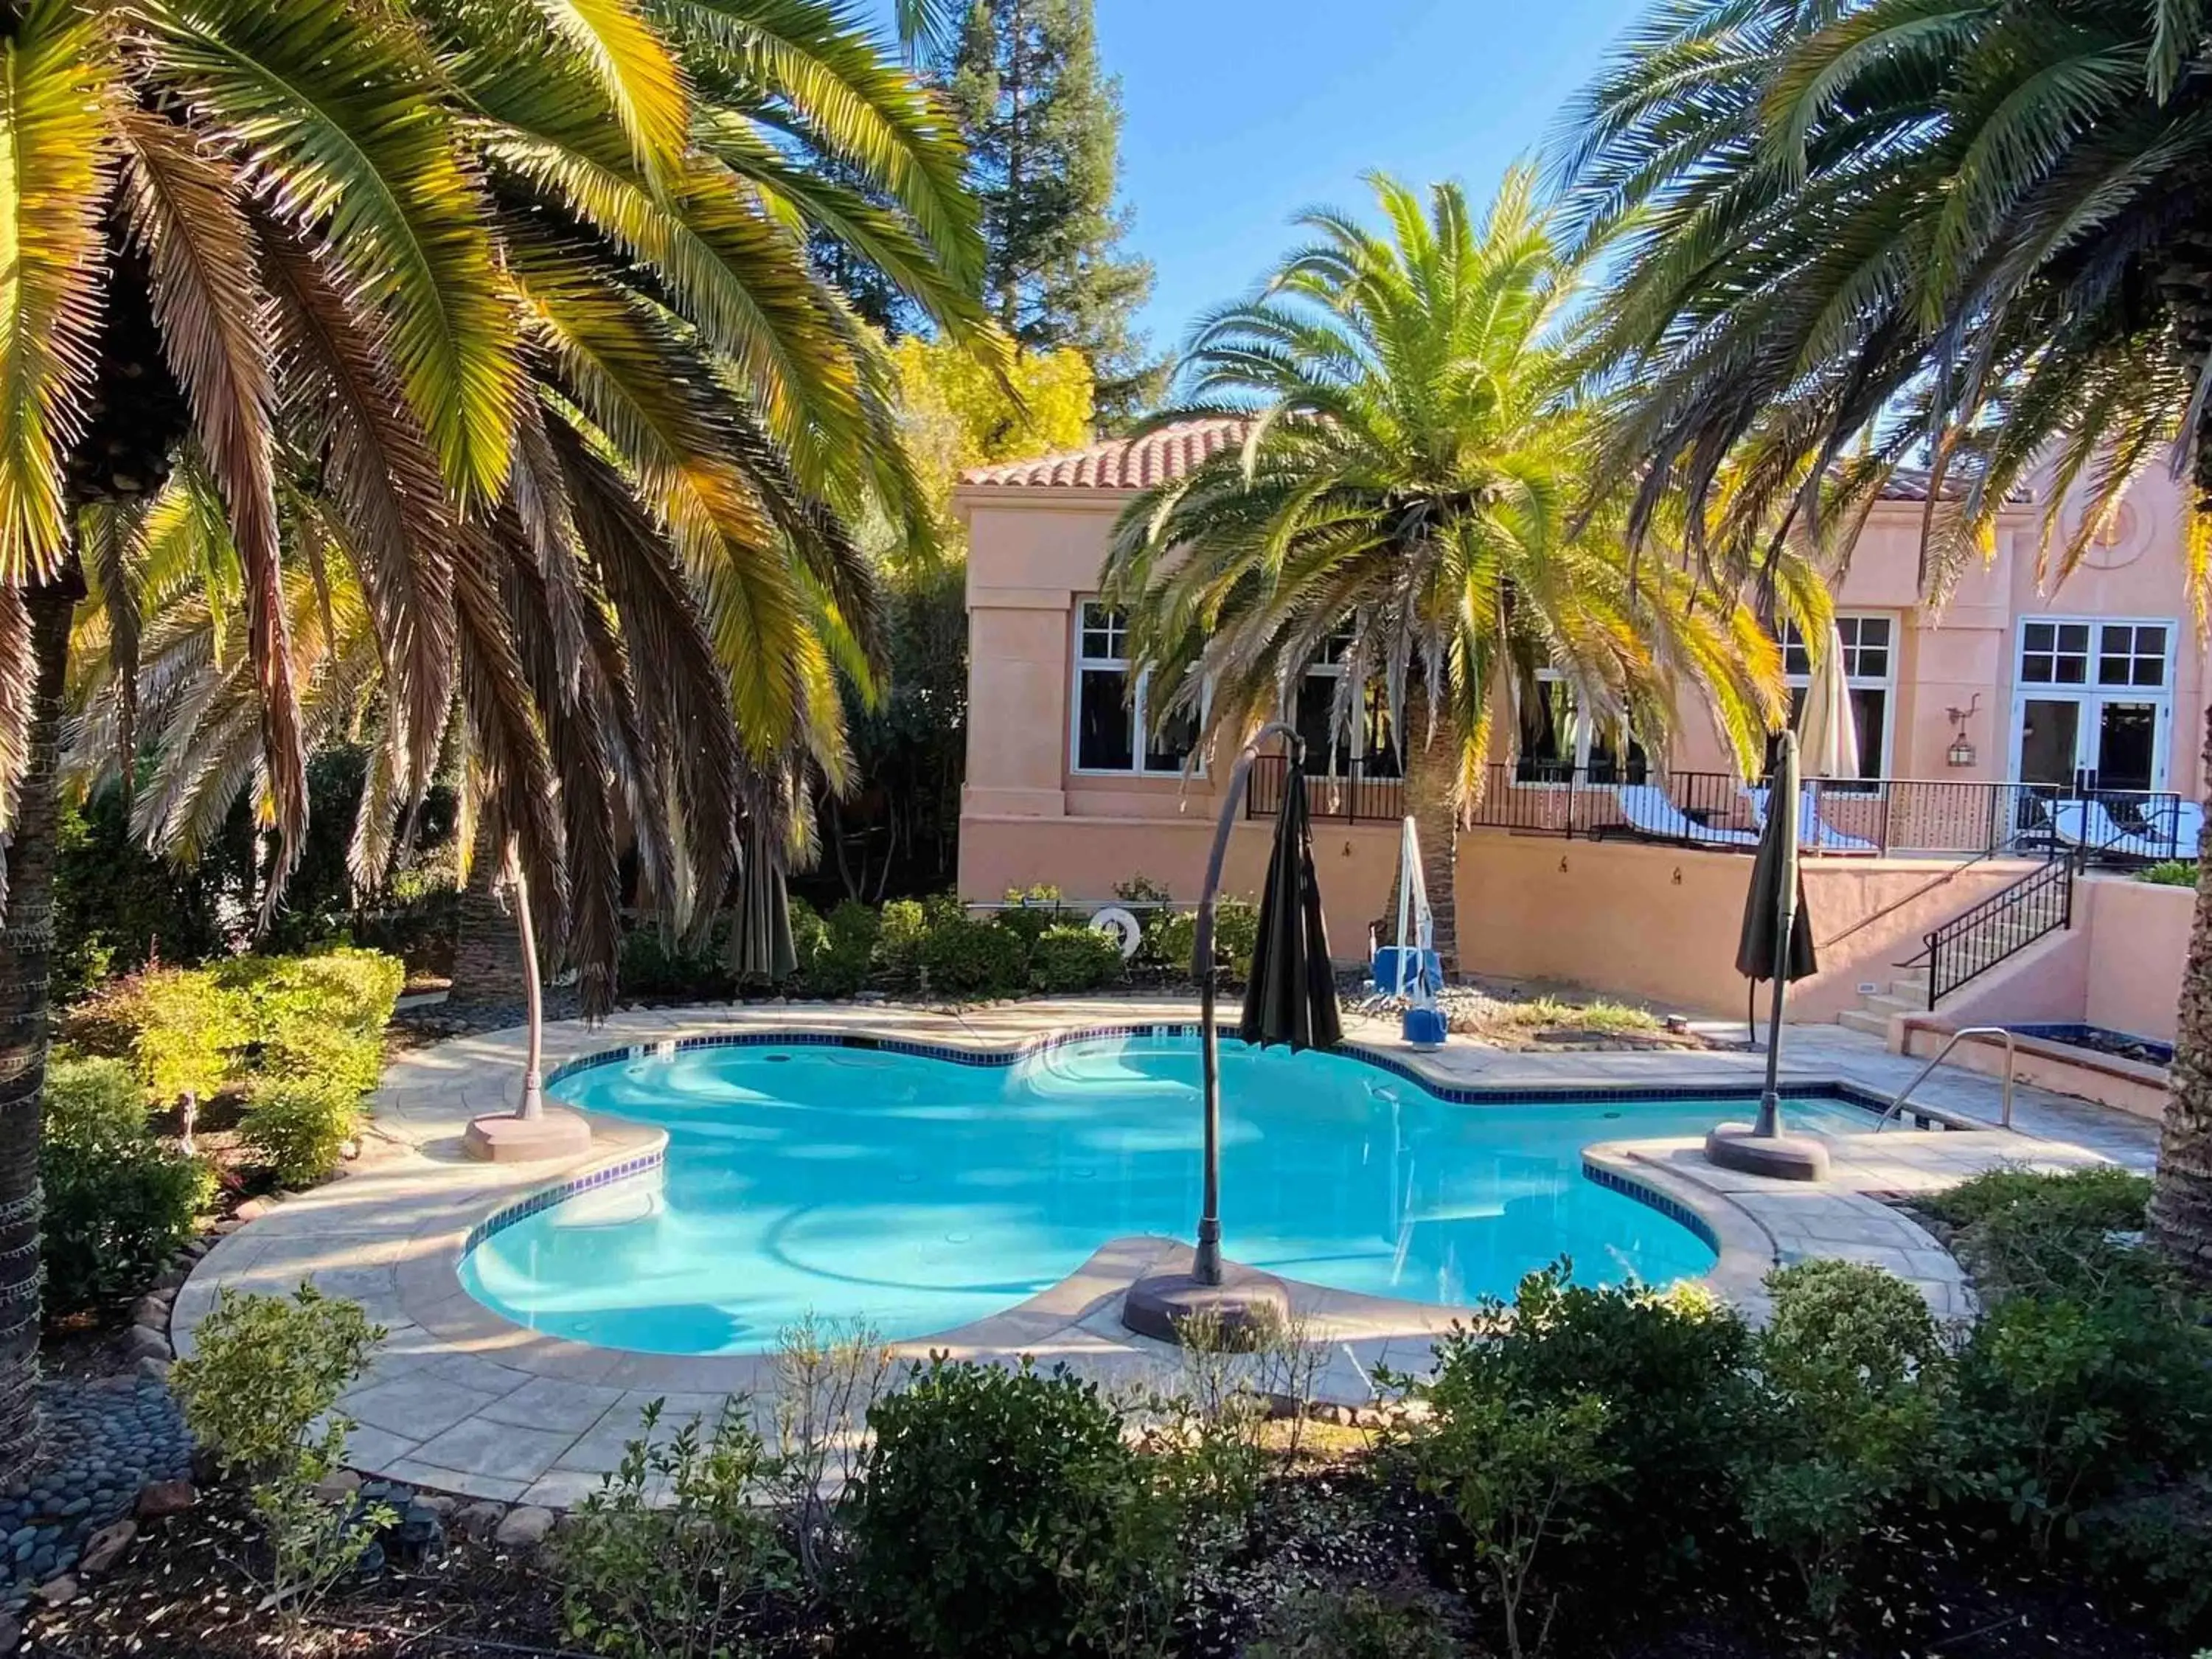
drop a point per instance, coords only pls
(164, 1499)
(524, 1528)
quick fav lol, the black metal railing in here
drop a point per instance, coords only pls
(2001, 925)
(1839, 818)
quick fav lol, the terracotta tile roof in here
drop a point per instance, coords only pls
(1116, 464)
(1910, 484)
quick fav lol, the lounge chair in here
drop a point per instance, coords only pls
(2090, 825)
(1649, 812)
(1813, 831)
(2168, 832)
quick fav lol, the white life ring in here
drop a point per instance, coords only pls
(1126, 931)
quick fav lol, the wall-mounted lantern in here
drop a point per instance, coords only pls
(1961, 751)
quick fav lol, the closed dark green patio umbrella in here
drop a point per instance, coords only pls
(1777, 945)
(760, 947)
(1291, 995)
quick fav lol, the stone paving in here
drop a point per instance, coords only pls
(461, 1400)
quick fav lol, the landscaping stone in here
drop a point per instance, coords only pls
(439, 1504)
(103, 1440)
(479, 1520)
(155, 1370)
(165, 1498)
(104, 1547)
(524, 1528)
(59, 1592)
(152, 1311)
(140, 1343)
(333, 1487)
(11, 1633)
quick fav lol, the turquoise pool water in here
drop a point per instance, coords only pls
(918, 1193)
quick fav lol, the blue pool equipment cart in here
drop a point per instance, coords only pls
(1414, 971)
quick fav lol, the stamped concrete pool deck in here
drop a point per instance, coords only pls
(461, 1400)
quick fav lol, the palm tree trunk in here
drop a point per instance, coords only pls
(1434, 804)
(2181, 1206)
(27, 936)
(489, 971)
(2181, 1203)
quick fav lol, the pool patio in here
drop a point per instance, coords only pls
(462, 1400)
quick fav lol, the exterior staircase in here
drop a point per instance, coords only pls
(1973, 942)
(1905, 994)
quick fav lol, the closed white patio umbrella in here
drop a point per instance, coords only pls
(1827, 736)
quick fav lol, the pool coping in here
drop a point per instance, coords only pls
(461, 1397)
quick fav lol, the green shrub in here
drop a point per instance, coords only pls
(1672, 1374)
(2103, 1198)
(1036, 910)
(119, 1204)
(352, 989)
(299, 1126)
(966, 956)
(2025, 1232)
(188, 1026)
(846, 957)
(2155, 1548)
(658, 1563)
(1856, 1371)
(2067, 1400)
(657, 965)
(93, 1103)
(2174, 872)
(901, 928)
(1067, 959)
(305, 1049)
(1172, 937)
(1001, 1513)
(1358, 1624)
(258, 1392)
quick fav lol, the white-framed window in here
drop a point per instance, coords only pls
(1111, 729)
(1331, 752)
(2093, 704)
(1869, 648)
(1555, 742)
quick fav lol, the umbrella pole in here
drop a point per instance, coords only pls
(1207, 1266)
(533, 1082)
(1785, 924)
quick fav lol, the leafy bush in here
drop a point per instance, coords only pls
(902, 926)
(966, 956)
(2067, 1400)
(1358, 1623)
(1036, 910)
(299, 1126)
(1520, 1472)
(1855, 1371)
(266, 1371)
(844, 956)
(119, 1204)
(1172, 937)
(186, 1027)
(1069, 958)
(655, 964)
(1672, 1374)
(343, 987)
(93, 1103)
(1000, 1513)
(2174, 872)
(658, 1562)
(2026, 1232)
(2156, 1547)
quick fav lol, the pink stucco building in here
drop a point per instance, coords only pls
(2096, 682)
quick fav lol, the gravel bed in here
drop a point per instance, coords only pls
(103, 1440)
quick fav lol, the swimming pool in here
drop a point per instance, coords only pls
(918, 1193)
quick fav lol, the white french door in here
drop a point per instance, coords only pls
(2093, 709)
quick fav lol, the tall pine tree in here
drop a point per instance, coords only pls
(1043, 126)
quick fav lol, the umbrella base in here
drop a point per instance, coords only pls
(503, 1137)
(1246, 1309)
(1778, 1158)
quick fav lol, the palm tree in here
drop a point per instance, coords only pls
(1854, 234)
(504, 306)
(1413, 483)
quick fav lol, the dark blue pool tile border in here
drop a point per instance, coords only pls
(523, 1208)
(1651, 1198)
(1013, 1055)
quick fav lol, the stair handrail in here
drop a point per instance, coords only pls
(2011, 1054)
(2057, 872)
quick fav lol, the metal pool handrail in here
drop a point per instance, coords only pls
(2011, 1054)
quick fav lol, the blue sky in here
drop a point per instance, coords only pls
(1239, 112)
